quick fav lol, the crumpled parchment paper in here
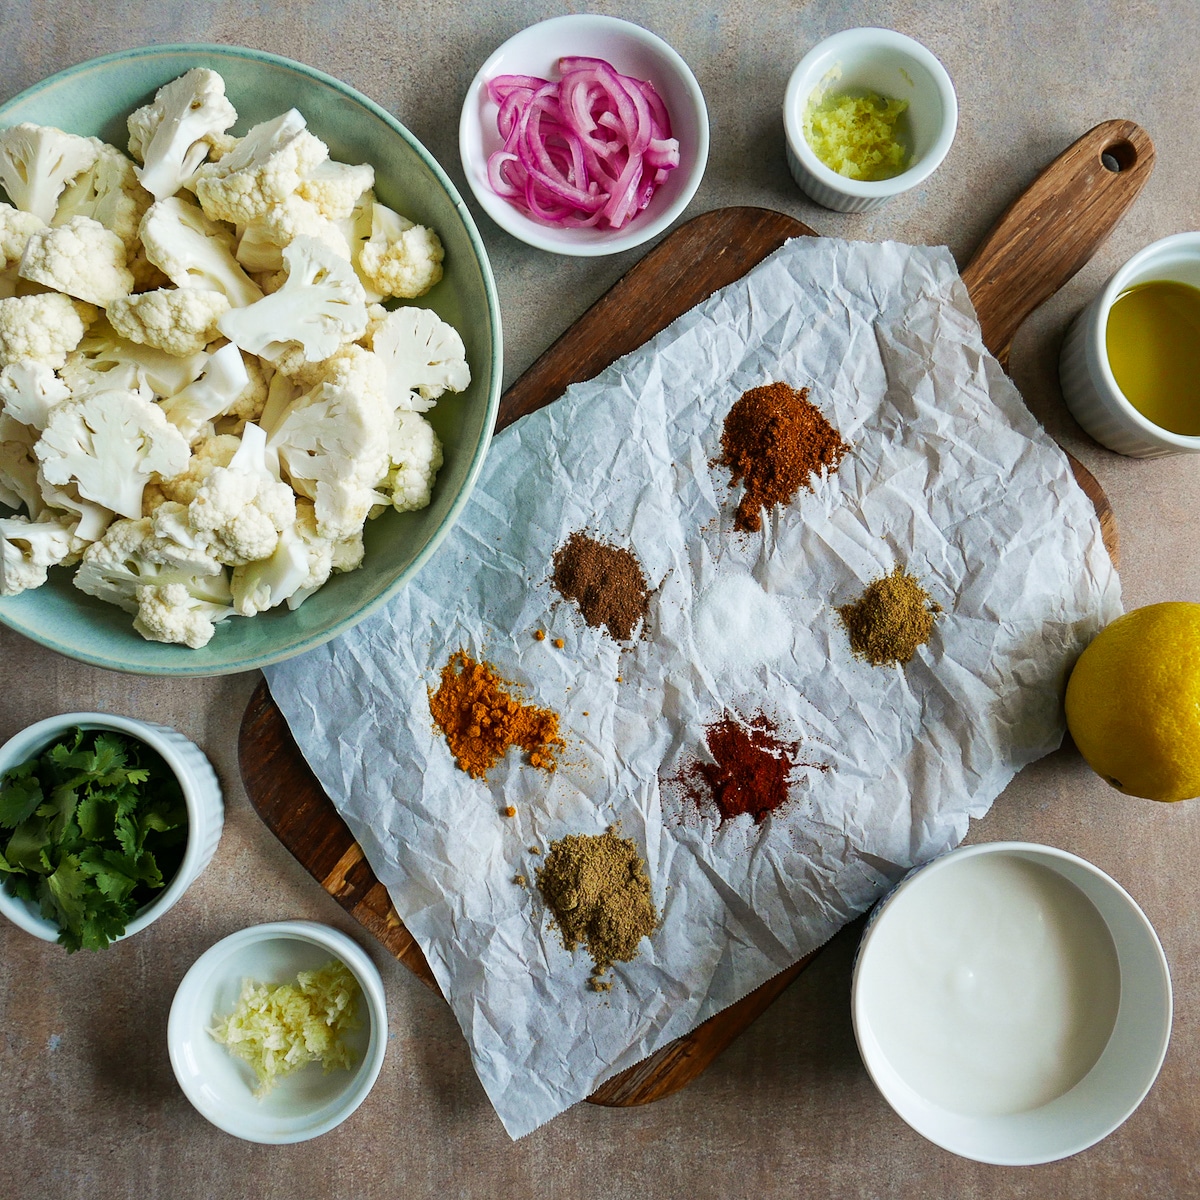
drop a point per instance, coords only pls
(949, 475)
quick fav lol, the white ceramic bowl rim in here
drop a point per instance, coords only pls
(1149, 1068)
(182, 666)
(553, 238)
(191, 991)
(33, 739)
(1188, 243)
(812, 69)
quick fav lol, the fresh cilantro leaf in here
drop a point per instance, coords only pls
(27, 846)
(95, 817)
(67, 889)
(20, 794)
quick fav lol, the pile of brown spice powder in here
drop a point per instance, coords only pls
(890, 619)
(606, 582)
(776, 440)
(482, 721)
(598, 891)
(751, 768)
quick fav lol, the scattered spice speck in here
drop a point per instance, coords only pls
(520, 880)
(559, 643)
(540, 635)
(508, 811)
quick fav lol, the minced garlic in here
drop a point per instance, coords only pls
(278, 1030)
(856, 135)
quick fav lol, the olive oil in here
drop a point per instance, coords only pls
(1153, 344)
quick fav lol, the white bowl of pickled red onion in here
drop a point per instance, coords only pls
(584, 135)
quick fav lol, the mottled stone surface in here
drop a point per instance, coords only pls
(88, 1104)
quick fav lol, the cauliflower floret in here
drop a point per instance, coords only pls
(333, 446)
(194, 252)
(28, 549)
(29, 390)
(265, 167)
(414, 459)
(318, 309)
(18, 466)
(180, 321)
(104, 361)
(260, 247)
(422, 356)
(173, 613)
(16, 228)
(109, 444)
(208, 454)
(108, 192)
(37, 162)
(400, 258)
(225, 385)
(132, 567)
(239, 511)
(81, 258)
(335, 188)
(171, 135)
(44, 328)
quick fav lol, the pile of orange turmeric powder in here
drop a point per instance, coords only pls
(482, 721)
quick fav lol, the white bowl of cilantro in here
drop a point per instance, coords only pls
(105, 821)
(259, 1015)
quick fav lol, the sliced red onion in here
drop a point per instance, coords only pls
(588, 150)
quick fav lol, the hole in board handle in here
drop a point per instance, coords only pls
(1118, 157)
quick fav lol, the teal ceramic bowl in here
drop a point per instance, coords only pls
(94, 99)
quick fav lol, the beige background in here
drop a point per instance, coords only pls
(88, 1104)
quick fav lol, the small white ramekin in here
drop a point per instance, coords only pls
(221, 1087)
(1089, 386)
(1105, 1097)
(889, 64)
(201, 794)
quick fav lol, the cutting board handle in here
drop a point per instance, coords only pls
(1055, 226)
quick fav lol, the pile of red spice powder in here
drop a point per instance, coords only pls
(775, 439)
(751, 769)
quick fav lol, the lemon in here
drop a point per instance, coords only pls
(1133, 702)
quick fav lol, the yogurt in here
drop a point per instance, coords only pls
(991, 985)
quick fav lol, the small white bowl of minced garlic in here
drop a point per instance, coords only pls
(868, 114)
(278, 1032)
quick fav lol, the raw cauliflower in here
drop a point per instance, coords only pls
(28, 549)
(318, 309)
(178, 593)
(194, 252)
(174, 613)
(109, 444)
(238, 512)
(16, 228)
(262, 170)
(335, 188)
(108, 192)
(181, 321)
(44, 328)
(171, 135)
(400, 258)
(80, 258)
(37, 162)
(414, 457)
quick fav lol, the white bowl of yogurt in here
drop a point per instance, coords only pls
(1012, 1003)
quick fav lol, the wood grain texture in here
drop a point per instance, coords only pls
(1049, 231)
(1042, 239)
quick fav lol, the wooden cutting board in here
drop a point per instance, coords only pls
(1039, 242)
